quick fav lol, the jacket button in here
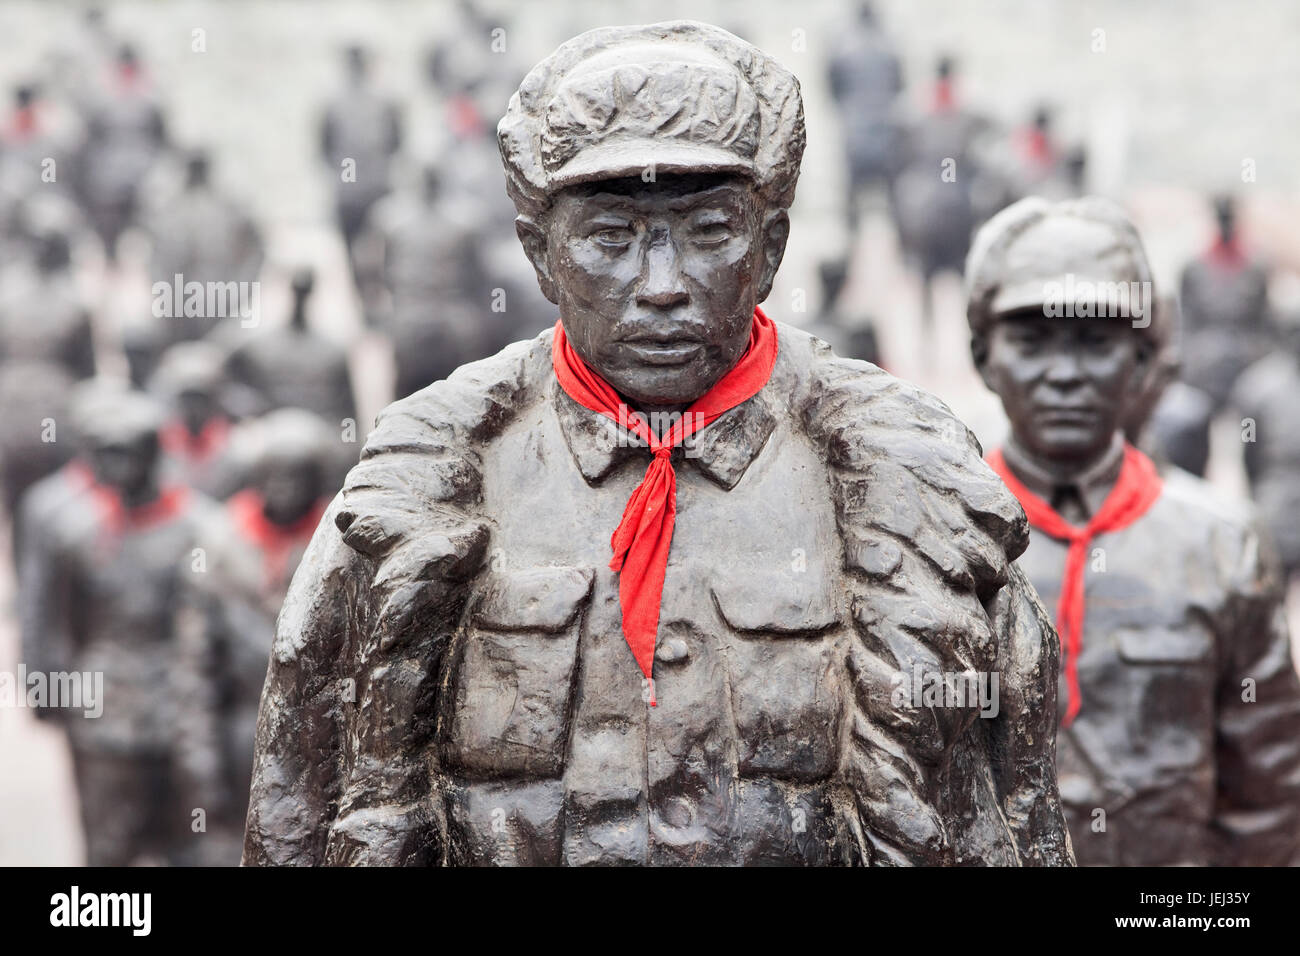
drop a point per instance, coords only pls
(672, 650)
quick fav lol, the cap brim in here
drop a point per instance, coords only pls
(620, 160)
(1033, 294)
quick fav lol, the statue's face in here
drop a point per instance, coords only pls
(289, 489)
(196, 409)
(127, 466)
(657, 282)
(1066, 383)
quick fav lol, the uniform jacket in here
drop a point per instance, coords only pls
(449, 682)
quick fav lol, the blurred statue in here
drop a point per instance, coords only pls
(43, 317)
(118, 554)
(1265, 397)
(851, 336)
(439, 312)
(203, 236)
(1224, 300)
(37, 155)
(933, 199)
(291, 366)
(196, 443)
(125, 135)
(461, 675)
(253, 548)
(360, 133)
(45, 347)
(1179, 736)
(865, 80)
(38, 512)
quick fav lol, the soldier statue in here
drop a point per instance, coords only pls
(196, 441)
(252, 547)
(118, 553)
(468, 669)
(360, 132)
(1179, 705)
(1224, 301)
(202, 236)
(290, 365)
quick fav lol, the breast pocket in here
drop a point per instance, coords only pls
(513, 674)
(786, 678)
(1170, 675)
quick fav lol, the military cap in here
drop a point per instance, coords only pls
(1076, 258)
(675, 97)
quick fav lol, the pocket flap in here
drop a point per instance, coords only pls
(775, 602)
(1163, 645)
(536, 599)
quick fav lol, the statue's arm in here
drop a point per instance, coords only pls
(1024, 730)
(299, 764)
(1258, 727)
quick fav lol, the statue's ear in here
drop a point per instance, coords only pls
(776, 231)
(979, 353)
(533, 239)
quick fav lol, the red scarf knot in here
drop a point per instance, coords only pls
(641, 541)
(1135, 491)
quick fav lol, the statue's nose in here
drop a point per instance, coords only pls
(662, 284)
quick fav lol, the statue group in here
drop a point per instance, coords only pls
(672, 583)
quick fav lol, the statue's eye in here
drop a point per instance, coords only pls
(711, 234)
(612, 236)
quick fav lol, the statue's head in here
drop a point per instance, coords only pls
(1063, 323)
(653, 168)
(292, 463)
(190, 375)
(122, 440)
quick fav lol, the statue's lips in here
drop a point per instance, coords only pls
(671, 352)
(1066, 415)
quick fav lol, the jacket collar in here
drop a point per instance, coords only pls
(723, 451)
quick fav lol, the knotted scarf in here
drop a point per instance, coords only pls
(641, 540)
(1136, 490)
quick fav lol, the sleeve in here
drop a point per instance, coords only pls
(1024, 732)
(46, 583)
(299, 760)
(202, 778)
(1258, 720)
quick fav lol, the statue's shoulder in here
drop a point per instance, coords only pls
(906, 470)
(408, 513)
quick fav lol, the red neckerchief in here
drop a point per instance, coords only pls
(1036, 147)
(1226, 255)
(463, 114)
(641, 540)
(1136, 490)
(181, 442)
(275, 541)
(943, 99)
(118, 518)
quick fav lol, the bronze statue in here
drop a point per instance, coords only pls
(196, 440)
(118, 552)
(252, 548)
(1224, 299)
(1179, 738)
(290, 365)
(807, 547)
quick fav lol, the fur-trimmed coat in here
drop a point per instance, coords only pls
(449, 683)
